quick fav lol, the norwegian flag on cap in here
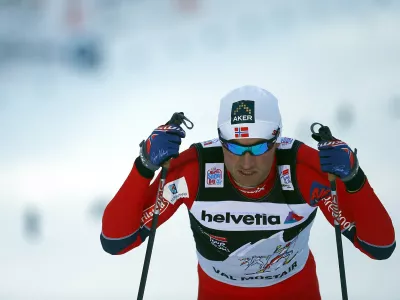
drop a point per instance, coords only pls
(241, 132)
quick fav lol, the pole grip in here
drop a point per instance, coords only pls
(331, 177)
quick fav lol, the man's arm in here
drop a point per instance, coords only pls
(358, 206)
(127, 218)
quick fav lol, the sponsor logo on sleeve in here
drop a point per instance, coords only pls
(321, 194)
(318, 192)
(175, 190)
(148, 213)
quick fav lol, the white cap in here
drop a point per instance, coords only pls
(249, 112)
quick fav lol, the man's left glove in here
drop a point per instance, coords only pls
(337, 158)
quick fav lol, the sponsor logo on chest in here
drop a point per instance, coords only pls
(214, 175)
(218, 242)
(250, 219)
(242, 219)
(285, 177)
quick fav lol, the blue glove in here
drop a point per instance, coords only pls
(337, 158)
(162, 145)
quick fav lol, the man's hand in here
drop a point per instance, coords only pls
(337, 158)
(162, 145)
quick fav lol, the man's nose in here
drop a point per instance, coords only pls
(247, 161)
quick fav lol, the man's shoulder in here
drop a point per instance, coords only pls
(187, 158)
(191, 154)
(187, 163)
(303, 150)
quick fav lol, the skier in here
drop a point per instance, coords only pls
(248, 193)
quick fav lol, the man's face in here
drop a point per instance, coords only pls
(249, 170)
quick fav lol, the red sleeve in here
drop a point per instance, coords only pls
(356, 209)
(127, 218)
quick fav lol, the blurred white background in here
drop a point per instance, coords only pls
(82, 82)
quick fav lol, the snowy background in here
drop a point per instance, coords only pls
(83, 82)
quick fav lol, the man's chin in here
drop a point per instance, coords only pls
(248, 180)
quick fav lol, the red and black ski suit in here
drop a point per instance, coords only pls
(251, 243)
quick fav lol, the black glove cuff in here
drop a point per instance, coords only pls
(145, 172)
(357, 182)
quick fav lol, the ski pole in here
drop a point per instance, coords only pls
(176, 119)
(325, 134)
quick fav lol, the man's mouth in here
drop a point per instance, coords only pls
(246, 173)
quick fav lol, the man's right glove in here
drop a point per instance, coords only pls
(162, 145)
